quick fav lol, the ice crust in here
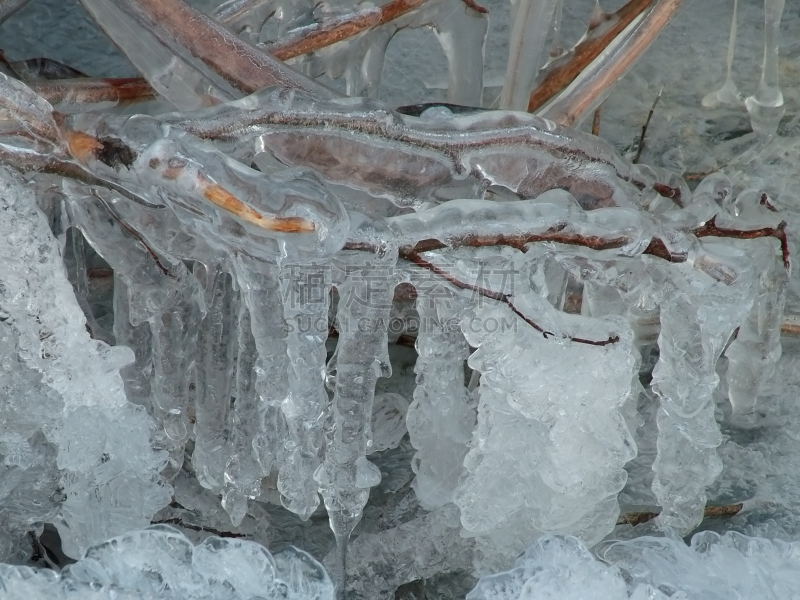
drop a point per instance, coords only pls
(160, 563)
(87, 445)
(712, 566)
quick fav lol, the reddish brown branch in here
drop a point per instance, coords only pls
(319, 36)
(710, 229)
(245, 67)
(500, 297)
(558, 235)
(596, 120)
(599, 77)
(315, 37)
(560, 75)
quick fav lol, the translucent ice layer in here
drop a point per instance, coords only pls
(648, 568)
(159, 562)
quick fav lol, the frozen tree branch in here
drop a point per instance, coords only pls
(596, 82)
(558, 74)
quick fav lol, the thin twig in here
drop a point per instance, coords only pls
(701, 175)
(645, 126)
(560, 74)
(500, 297)
(218, 532)
(596, 121)
(710, 229)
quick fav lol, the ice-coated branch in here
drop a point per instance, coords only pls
(187, 31)
(69, 95)
(314, 37)
(457, 157)
(558, 74)
(596, 82)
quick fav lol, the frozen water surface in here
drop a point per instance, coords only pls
(261, 343)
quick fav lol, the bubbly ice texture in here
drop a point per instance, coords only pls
(568, 479)
(105, 467)
(161, 563)
(555, 567)
(441, 418)
(711, 567)
(693, 335)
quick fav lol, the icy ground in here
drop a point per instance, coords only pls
(760, 456)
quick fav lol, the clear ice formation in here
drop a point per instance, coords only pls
(161, 563)
(257, 249)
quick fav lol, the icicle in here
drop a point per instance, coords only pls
(531, 25)
(345, 476)
(697, 320)
(214, 379)
(441, 418)
(164, 294)
(306, 293)
(136, 376)
(728, 93)
(557, 49)
(462, 34)
(754, 353)
(242, 471)
(766, 106)
(259, 431)
(363, 76)
(551, 441)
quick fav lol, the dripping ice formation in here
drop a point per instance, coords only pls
(255, 307)
(270, 259)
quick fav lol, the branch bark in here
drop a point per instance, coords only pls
(561, 73)
(597, 81)
(244, 66)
